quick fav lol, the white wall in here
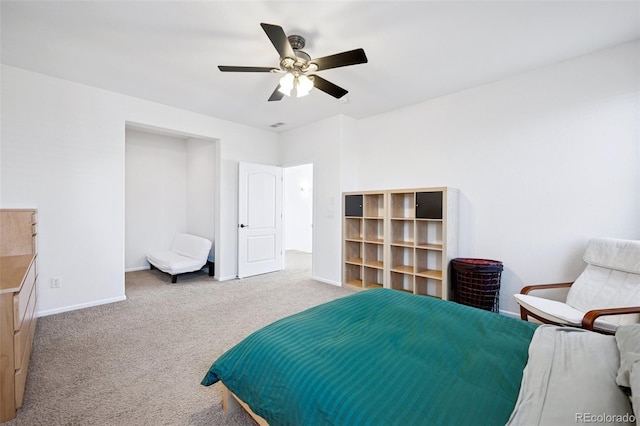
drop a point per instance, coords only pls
(543, 161)
(63, 152)
(321, 143)
(201, 179)
(155, 195)
(298, 208)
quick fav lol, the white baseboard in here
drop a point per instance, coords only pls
(326, 281)
(137, 268)
(228, 278)
(510, 314)
(80, 306)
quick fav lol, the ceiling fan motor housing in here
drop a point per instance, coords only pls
(297, 42)
(300, 63)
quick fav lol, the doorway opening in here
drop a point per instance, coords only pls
(298, 218)
(170, 188)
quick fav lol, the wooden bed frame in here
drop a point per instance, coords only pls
(231, 404)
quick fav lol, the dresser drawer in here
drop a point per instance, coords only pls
(21, 373)
(23, 337)
(21, 299)
(20, 382)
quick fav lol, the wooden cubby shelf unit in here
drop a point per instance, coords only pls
(400, 239)
(363, 248)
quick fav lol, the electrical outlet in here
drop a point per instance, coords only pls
(56, 282)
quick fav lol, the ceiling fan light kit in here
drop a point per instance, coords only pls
(299, 68)
(302, 85)
(286, 84)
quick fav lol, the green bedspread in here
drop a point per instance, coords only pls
(380, 357)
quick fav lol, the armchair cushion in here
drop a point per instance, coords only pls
(612, 253)
(187, 253)
(551, 309)
(599, 288)
(173, 263)
(610, 280)
(558, 312)
(191, 246)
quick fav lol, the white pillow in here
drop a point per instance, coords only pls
(635, 390)
(570, 379)
(628, 341)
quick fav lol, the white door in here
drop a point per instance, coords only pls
(259, 219)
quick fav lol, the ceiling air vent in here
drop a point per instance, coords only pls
(276, 125)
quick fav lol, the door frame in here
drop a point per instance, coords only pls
(313, 204)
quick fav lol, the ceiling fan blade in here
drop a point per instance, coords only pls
(352, 57)
(227, 68)
(279, 39)
(328, 87)
(276, 95)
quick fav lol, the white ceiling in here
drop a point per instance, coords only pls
(168, 51)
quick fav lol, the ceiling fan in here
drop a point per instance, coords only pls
(298, 67)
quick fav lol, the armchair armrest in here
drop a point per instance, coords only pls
(555, 291)
(527, 289)
(591, 316)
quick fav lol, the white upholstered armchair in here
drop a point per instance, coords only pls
(604, 296)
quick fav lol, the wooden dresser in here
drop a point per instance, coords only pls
(18, 297)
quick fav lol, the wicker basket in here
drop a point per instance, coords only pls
(476, 282)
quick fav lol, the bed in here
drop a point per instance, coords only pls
(384, 357)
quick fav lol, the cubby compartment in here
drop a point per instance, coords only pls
(403, 282)
(429, 205)
(374, 255)
(429, 263)
(374, 230)
(428, 287)
(402, 259)
(402, 232)
(429, 234)
(403, 205)
(353, 275)
(353, 229)
(374, 205)
(373, 277)
(353, 205)
(353, 252)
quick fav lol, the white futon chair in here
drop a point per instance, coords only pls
(604, 296)
(187, 253)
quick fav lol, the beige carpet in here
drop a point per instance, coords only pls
(140, 361)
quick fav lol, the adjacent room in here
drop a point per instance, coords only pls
(123, 124)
